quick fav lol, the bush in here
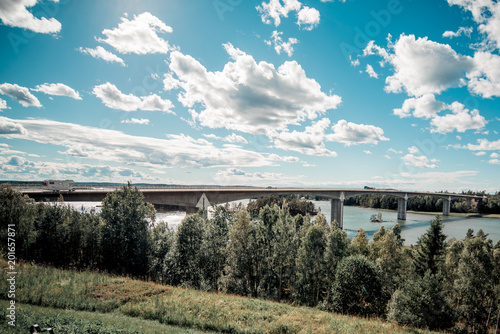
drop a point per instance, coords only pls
(358, 287)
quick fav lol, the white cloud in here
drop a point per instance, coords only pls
(113, 98)
(494, 162)
(424, 106)
(418, 161)
(10, 127)
(248, 96)
(274, 10)
(142, 121)
(280, 46)
(100, 53)
(176, 151)
(484, 79)
(367, 152)
(461, 120)
(3, 104)
(494, 155)
(15, 13)
(20, 94)
(58, 89)
(289, 158)
(232, 138)
(169, 82)
(371, 72)
(139, 35)
(413, 149)
(351, 133)
(309, 17)
(487, 14)
(481, 153)
(310, 141)
(467, 31)
(235, 175)
(483, 145)
(373, 49)
(391, 150)
(425, 67)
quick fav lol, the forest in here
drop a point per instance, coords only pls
(489, 205)
(266, 252)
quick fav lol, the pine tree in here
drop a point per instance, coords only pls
(359, 245)
(430, 249)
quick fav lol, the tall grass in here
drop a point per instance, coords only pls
(91, 291)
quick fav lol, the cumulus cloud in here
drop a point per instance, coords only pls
(139, 35)
(10, 127)
(141, 121)
(467, 31)
(248, 96)
(175, 151)
(494, 161)
(3, 104)
(310, 141)
(461, 120)
(113, 98)
(424, 106)
(169, 82)
(280, 45)
(15, 13)
(308, 18)
(371, 72)
(58, 89)
(353, 134)
(423, 67)
(487, 14)
(100, 53)
(484, 79)
(413, 149)
(483, 145)
(418, 161)
(274, 10)
(20, 94)
(289, 158)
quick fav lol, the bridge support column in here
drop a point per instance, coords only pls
(402, 207)
(337, 210)
(446, 206)
(469, 202)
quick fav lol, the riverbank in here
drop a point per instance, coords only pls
(452, 214)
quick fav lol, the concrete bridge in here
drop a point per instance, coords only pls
(189, 198)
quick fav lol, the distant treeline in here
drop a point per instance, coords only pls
(452, 285)
(490, 205)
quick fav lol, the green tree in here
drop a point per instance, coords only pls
(243, 257)
(430, 249)
(214, 247)
(358, 288)
(184, 261)
(18, 212)
(162, 239)
(474, 284)
(421, 302)
(311, 267)
(337, 248)
(359, 245)
(126, 239)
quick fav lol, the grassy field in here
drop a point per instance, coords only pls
(53, 297)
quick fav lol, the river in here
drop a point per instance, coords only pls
(355, 217)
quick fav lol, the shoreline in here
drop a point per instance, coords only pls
(452, 214)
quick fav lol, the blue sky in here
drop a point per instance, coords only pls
(394, 94)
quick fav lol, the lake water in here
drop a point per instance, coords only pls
(355, 217)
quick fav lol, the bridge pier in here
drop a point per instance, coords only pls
(337, 210)
(446, 206)
(402, 201)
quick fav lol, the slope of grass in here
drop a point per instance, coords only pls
(191, 309)
(73, 322)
